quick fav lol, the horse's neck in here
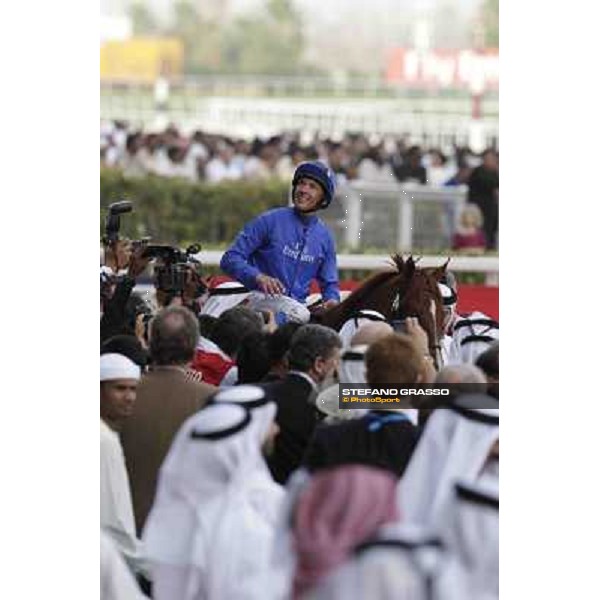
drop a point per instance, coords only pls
(336, 316)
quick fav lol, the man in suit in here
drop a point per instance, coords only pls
(166, 397)
(314, 354)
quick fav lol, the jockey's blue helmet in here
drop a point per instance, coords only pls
(319, 172)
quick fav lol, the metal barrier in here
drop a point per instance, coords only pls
(305, 87)
(434, 121)
(394, 217)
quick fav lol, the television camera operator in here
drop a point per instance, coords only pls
(176, 278)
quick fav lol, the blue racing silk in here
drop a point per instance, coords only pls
(292, 247)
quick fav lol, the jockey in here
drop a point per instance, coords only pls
(278, 253)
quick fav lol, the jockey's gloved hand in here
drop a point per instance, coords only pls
(269, 285)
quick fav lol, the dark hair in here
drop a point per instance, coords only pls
(207, 324)
(280, 340)
(253, 360)
(128, 346)
(131, 141)
(440, 155)
(135, 306)
(309, 343)
(232, 326)
(174, 335)
(489, 361)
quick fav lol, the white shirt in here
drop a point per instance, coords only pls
(217, 170)
(116, 509)
(210, 529)
(452, 447)
(116, 581)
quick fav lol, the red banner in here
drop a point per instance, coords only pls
(444, 68)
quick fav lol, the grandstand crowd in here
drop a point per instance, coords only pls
(202, 156)
(215, 158)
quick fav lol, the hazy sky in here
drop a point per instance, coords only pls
(319, 9)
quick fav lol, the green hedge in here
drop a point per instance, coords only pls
(175, 211)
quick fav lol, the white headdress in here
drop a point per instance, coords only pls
(117, 366)
(223, 297)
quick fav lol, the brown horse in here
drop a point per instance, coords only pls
(406, 291)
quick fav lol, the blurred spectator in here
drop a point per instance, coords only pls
(338, 161)
(411, 170)
(215, 157)
(314, 354)
(261, 164)
(119, 378)
(374, 167)
(489, 362)
(232, 326)
(207, 324)
(180, 164)
(166, 396)
(287, 164)
(340, 509)
(116, 580)
(211, 529)
(484, 184)
(224, 296)
(242, 150)
(126, 345)
(222, 166)
(118, 312)
(352, 369)
(379, 438)
(469, 235)
(438, 171)
(216, 358)
(463, 378)
(279, 343)
(253, 360)
(133, 164)
(198, 149)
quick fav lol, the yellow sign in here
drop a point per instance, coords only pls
(142, 59)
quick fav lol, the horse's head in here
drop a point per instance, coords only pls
(417, 295)
(398, 293)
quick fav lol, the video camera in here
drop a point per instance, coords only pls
(174, 266)
(170, 274)
(112, 224)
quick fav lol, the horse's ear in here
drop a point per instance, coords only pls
(398, 262)
(439, 272)
(411, 266)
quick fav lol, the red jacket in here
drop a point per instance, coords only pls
(211, 361)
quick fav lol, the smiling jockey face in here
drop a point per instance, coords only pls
(308, 195)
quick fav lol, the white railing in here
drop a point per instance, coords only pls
(488, 265)
(252, 86)
(380, 214)
(430, 121)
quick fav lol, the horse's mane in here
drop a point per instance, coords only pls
(335, 316)
(403, 290)
(366, 288)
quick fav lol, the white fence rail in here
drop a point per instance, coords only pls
(488, 265)
(430, 121)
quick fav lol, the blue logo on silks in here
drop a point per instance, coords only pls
(281, 318)
(378, 421)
